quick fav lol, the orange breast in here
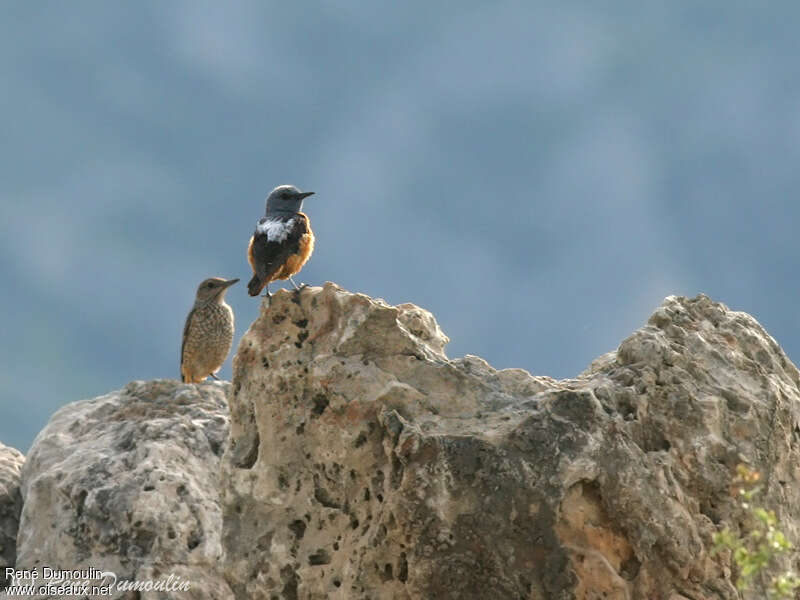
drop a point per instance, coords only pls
(296, 261)
(250, 255)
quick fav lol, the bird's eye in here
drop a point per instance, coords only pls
(210, 284)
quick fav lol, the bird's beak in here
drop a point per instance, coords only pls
(306, 195)
(230, 282)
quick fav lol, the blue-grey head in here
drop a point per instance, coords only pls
(285, 200)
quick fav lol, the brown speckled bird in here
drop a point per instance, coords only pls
(283, 240)
(208, 333)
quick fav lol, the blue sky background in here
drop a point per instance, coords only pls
(538, 174)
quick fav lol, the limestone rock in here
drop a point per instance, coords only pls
(363, 463)
(10, 506)
(128, 483)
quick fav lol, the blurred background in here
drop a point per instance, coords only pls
(539, 175)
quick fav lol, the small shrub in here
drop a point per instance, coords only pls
(756, 546)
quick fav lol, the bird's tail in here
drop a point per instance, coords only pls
(255, 286)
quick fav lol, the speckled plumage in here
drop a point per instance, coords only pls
(208, 332)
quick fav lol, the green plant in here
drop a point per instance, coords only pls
(758, 543)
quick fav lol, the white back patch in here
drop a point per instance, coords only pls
(276, 231)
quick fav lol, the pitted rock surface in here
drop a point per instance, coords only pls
(129, 483)
(362, 463)
(366, 464)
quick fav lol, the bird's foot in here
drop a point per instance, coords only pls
(268, 296)
(298, 287)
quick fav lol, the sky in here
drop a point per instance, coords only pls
(539, 175)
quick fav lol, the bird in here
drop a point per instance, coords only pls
(282, 242)
(208, 332)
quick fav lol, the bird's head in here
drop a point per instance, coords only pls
(213, 289)
(285, 200)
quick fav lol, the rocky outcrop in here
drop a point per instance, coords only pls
(10, 506)
(363, 463)
(129, 483)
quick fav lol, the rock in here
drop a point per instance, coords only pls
(363, 463)
(128, 483)
(10, 506)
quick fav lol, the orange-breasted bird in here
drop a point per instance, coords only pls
(283, 240)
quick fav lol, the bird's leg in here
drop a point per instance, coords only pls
(267, 295)
(300, 287)
(213, 376)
